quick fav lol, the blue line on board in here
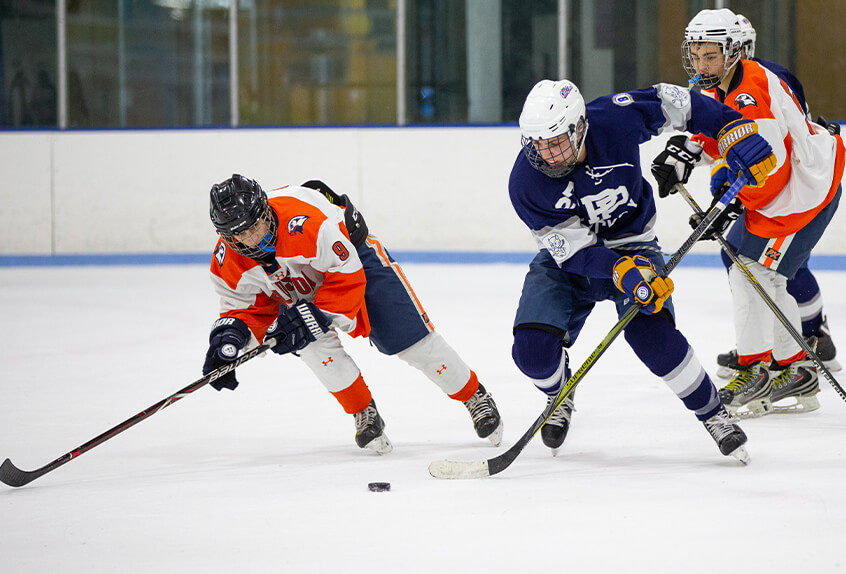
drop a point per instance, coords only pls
(818, 262)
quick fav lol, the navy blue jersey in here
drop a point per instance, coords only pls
(605, 202)
(788, 78)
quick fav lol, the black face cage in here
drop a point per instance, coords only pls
(564, 164)
(708, 82)
(256, 253)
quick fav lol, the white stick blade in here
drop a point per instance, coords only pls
(460, 470)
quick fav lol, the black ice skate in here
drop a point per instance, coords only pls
(798, 381)
(748, 392)
(485, 415)
(370, 430)
(729, 437)
(727, 364)
(554, 431)
(826, 351)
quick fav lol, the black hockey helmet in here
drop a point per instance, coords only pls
(236, 205)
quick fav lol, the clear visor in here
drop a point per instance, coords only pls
(556, 156)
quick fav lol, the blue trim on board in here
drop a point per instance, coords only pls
(818, 262)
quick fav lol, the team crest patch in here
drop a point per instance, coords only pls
(296, 223)
(678, 97)
(623, 99)
(220, 253)
(557, 246)
(565, 91)
(743, 100)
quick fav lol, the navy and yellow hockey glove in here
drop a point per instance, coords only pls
(746, 152)
(297, 326)
(228, 336)
(636, 277)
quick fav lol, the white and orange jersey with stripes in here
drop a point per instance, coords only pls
(316, 262)
(810, 160)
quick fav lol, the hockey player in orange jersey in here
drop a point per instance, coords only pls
(299, 265)
(784, 218)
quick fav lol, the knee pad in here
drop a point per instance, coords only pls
(537, 353)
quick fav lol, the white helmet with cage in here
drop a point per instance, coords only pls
(719, 27)
(748, 34)
(553, 125)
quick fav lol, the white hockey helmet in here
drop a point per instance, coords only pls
(719, 27)
(748, 34)
(553, 125)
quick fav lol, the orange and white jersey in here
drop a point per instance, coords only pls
(810, 161)
(314, 261)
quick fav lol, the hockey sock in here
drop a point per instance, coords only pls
(666, 352)
(540, 356)
(805, 289)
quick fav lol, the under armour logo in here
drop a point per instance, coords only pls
(327, 361)
(442, 369)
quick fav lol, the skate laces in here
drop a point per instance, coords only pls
(562, 414)
(366, 417)
(741, 378)
(479, 405)
(720, 425)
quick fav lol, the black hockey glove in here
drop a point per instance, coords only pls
(297, 326)
(731, 212)
(353, 219)
(674, 164)
(228, 336)
(832, 127)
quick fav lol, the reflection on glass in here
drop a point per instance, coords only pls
(320, 62)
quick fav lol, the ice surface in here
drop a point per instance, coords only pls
(268, 478)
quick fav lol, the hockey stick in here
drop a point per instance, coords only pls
(767, 299)
(495, 465)
(13, 476)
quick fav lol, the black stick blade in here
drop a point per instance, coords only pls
(13, 476)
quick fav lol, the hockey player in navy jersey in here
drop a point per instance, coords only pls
(803, 286)
(577, 184)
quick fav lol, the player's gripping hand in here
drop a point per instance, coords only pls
(746, 152)
(297, 326)
(674, 164)
(720, 176)
(228, 336)
(729, 214)
(636, 277)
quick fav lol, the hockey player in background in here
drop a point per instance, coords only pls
(578, 186)
(783, 219)
(803, 285)
(299, 265)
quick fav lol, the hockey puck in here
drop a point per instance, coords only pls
(379, 486)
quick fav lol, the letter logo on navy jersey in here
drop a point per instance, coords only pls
(601, 206)
(743, 100)
(296, 223)
(557, 246)
(566, 201)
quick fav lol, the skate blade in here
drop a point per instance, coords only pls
(751, 410)
(380, 445)
(496, 436)
(740, 454)
(725, 372)
(799, 405)
(554, 451)
(459, 470)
